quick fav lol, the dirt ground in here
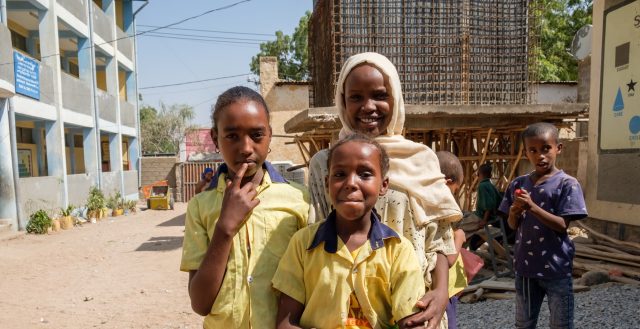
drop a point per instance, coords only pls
(122, 272)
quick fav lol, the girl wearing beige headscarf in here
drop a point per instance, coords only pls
(418, 204)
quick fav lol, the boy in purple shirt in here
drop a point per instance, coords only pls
(540, 206)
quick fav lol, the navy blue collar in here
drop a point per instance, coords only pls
(274, 174)
(328, 233)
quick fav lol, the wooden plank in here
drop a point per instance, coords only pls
(599, 247)
(624, 280)
(498, 295)
(590, 266)
(612, 260)
(601, 236)
(620, 256)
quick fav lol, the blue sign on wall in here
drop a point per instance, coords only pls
(27, 73)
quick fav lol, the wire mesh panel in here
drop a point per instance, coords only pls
(446, 52)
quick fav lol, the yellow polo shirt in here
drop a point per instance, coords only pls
(457, 277)
(246, 298)
(318, 271)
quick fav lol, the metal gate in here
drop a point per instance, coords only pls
(190, 176)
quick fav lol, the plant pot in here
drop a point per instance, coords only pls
(92, 214)
(55, 225)
(117, 212)
(66, 222)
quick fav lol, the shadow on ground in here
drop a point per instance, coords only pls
(175, 221)
(162, 243)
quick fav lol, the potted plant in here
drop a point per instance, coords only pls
(55, 224)
(117, 207)
(111, 204)
(95, 203)
(66, 221)
(39, 222)
(132, 206)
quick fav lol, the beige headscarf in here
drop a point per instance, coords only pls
(414, 167)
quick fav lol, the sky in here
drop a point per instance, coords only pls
(168, 60)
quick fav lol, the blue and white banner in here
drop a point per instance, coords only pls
(27, 74)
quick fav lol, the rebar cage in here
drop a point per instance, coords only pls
(477, 52)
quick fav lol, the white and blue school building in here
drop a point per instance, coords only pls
(68, 104)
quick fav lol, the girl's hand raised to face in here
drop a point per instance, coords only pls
(238, 201)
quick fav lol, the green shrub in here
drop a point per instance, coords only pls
(66, 211)
(39, 222)
(95, 201)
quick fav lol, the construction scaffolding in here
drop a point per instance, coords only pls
(467, 68)
(475, 134)
(477, 52)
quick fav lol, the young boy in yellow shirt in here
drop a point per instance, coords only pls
(350, 271)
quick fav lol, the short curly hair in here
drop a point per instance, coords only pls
(450, 166)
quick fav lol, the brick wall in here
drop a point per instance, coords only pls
(159, 168)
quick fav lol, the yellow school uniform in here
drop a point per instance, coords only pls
(246, 299)
(457, 277)
(318, 271)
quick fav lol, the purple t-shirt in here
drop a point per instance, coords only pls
(541, 252)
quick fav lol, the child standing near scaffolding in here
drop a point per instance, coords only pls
(540, 206)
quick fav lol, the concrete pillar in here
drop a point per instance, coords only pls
(72, 153)
(91, 148)
(115, 158)
(113, 88)
(37, 139)
(84, 59)
(7, 184)
(111, 72)
(49, 44)
(268, 74)
(127, 16)
(134, 157)
(131, 86)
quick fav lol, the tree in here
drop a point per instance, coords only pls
(560, 20)
(162, 131)
(291, 51)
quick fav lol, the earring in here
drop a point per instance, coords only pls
(269, 151)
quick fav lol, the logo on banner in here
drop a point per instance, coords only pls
(618, 104)
(631, 88)
(634, 128)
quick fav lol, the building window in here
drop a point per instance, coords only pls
(78, 140)
(24, 135)
(18, 41)
(73, 69)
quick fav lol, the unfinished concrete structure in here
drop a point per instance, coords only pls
(467, 70)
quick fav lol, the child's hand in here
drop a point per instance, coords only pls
(522, 200)
(238, 201)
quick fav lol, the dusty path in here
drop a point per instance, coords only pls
(119, 273)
